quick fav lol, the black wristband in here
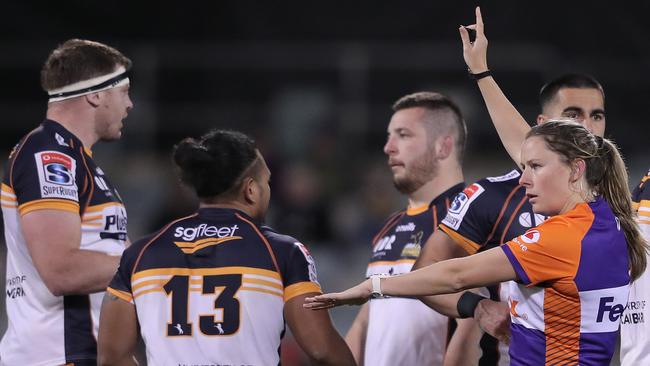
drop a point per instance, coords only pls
(480, 75)
(467, 304)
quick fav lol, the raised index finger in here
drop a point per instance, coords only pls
(479, 20)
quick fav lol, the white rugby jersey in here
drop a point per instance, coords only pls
(51, 169)
(403, 331)
(635, 322)
(210, 289)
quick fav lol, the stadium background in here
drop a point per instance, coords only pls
(313, 83)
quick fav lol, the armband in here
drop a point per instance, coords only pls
(467, 304)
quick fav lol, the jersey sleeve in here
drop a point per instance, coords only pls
(470, 217)
(549, 252)
(641, 203)
(46, 178)
(297, 266)
(120, 285)
(300, 276)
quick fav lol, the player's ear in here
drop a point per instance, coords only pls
(249, 190)
(541, 119)
(578, 168)
(93, 99)
(444, 147)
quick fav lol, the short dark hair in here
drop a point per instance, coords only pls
(79, 59)
(579, 81)
(436, 102)
(215, 163)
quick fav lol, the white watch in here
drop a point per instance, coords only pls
(376, 286)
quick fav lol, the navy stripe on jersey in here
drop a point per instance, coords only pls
(80, 343)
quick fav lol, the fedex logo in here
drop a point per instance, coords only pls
(607, 306)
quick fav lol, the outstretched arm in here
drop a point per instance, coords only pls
(489, 267)
(510, 125)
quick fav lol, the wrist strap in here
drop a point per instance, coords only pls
(376, 286)
(467, 303)
(480, 75)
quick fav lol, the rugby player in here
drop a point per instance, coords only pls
(425, 144)
(216, 287)
(64, 222)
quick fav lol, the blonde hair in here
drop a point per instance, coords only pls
(605, 174)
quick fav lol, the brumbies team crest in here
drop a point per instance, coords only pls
(56, 175)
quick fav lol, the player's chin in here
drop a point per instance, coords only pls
(112, 137)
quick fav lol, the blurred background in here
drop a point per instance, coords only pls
(313, 83)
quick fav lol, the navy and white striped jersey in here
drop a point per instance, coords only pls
(51, 169)
(211, 288)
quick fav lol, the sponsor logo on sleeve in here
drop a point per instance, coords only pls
(460, 205)
(511, 175)
(56, 175)
(529, 237)
(311, 265)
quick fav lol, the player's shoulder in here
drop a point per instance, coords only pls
(277, 239)
(163, 234)
(46, 145)
(490, 189)
(282, 243)
(504, 181)
(136, 247)
(641, 191)
(44, 138)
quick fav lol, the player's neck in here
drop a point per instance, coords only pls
(230, 205)
(445, 179)
(76, 120)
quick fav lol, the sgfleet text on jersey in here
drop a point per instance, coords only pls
(192, 233)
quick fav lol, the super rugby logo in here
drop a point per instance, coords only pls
(460, 205)
(57, 168)
(56, 174)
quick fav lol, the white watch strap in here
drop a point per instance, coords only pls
(376, 285)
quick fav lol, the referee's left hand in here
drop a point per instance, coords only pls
(356, 295)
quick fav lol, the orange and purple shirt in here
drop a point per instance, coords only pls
(572, 288)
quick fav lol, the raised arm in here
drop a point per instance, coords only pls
(510, 125)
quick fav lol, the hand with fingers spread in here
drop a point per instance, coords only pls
(475, 53)
(356, 295)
